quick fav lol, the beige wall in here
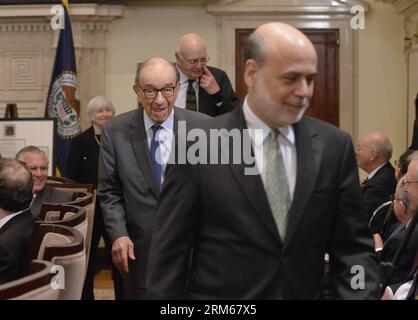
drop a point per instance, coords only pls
(146, 32)
(150, 31)
(382, 75)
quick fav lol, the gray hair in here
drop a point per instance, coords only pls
(254, 48)
(98, 102)
(140, 66)
(30, 149)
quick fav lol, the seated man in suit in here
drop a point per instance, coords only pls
(202, 88)
(373, 153)
(16, 223)
(37, 162)
(405, 206)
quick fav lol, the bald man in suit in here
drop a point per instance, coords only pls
(130, 177)
(223, 232)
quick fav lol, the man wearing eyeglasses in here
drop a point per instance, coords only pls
(38, 163)
(202, 88)
(373, 153)
(404, 206)
(132, 162)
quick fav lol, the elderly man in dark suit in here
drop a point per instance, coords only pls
(405, 206)
(37, 162)
(202, 88)
(16, 223)
(373, 153)
(223, 232)
(132, 162)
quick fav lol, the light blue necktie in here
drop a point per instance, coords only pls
(277, 187)
(155, 154)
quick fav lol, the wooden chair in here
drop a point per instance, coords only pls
(60, 180)
(65, 215)
(63, 246)
(70, 188)
(88, 201)
(36, 285)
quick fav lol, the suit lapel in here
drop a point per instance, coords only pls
(139, 143)
(308, 152)
(251, 185)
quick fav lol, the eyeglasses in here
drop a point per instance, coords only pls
(167, 92)
(406, 181)
(194, 62)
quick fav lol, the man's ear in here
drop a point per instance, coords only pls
(403, 206)
(136, 88)
(251, 72)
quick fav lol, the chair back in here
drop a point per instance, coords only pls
(88, 201)
(63, 245)
(70, 188)
(36, 285)
(60, 180)
(379, 216)
(65, 215)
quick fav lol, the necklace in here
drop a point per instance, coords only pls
(97, 140)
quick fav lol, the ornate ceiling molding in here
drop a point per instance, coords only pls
(321, 7)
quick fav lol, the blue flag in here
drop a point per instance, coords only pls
(62, 102)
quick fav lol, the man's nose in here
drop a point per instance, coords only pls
(304, 89)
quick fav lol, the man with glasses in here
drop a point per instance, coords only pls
(202, 88)
(405, 206)
(132, 162)
(373, 153)
(38, 163)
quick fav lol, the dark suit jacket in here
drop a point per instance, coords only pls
(224, 216)
(379, 188)
(207, 103)
(83, 158)
(127, 190)
(406, 262)
(48, 195)
(15, 237)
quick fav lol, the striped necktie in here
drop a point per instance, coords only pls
(155, 156)
(191, 103)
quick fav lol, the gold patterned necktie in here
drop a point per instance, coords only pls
(277, 187)
(363, 184)
(191, 97)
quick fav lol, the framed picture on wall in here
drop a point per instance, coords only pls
(18, 133)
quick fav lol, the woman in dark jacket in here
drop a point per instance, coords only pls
(83, 162)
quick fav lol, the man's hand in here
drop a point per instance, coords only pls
(122, 248)
(378, 242)
(208, 82)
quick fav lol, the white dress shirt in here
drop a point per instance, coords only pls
(164, 137)
(182, 94)
(286, 141)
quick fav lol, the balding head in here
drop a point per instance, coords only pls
(191, 55)
(15, 184)
(277, 39)
(373, 150)
(280, 64)
(157, 88)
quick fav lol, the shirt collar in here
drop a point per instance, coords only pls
(372, 173)
(183, 77)
(254, 122)
(167, 124)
